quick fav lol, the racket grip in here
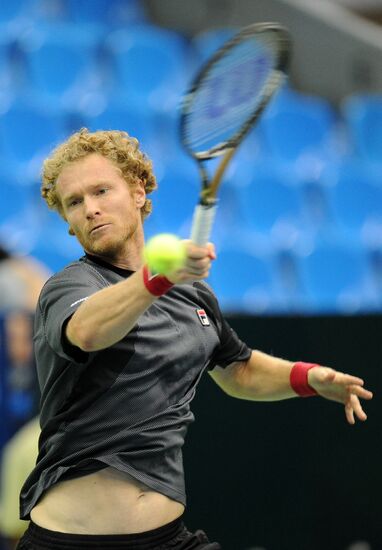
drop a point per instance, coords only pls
(202, 223)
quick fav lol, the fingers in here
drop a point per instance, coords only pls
(348, 379)
(326, 374)
(199, 259)
(360, 392)
(211, 251)
(343, 388)
(196, 252)
(197, 265)
(199, 268)
(354, 387)
(352, 406)
(349, 413)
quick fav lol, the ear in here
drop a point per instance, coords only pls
(140, 195)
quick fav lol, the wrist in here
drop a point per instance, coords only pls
(157, 285)
(299, 379)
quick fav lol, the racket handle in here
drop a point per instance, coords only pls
(202, 223)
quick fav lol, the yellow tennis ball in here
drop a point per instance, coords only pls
(164, 253)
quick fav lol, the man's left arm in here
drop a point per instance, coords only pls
(267, 378)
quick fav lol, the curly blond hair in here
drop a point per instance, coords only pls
(117, 146)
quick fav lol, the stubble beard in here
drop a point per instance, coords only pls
(111, 247)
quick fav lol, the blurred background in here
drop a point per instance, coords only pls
(298, 236)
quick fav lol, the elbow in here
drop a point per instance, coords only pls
(232, 389)
(230, 380)
(87, 342)
(87, 345)
(243, 383)
(79, 336)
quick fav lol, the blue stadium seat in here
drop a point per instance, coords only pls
(242, 281)
(209, 41)
(110, 12)
(167, 124)
(61, 62)
(52, 256)
(335, 278)
(317, 214)
(5, 66)
(18, 217)
(52, 244)
(356, 199)
(175, 199)
(13, 11)
(375, 263)
(289, 286)
(267, 200)
(149, 64)
(49, 11)
(15, 198)
(298, 125)
(363, 115)
(27, 134)
(137, 123)
(152, 226)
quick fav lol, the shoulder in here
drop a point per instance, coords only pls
(205, 292)
(76, 277)
(208, 300)
(78, 271)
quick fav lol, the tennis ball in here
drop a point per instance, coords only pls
(164, 253)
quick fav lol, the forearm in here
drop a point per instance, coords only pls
(267, 378)
(261, 378)
(108, 315)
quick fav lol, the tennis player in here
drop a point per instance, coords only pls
(119, 355)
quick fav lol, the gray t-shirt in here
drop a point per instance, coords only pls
(126, 406)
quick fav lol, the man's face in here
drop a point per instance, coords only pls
(102, 210)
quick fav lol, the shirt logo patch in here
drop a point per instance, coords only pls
(203, 317)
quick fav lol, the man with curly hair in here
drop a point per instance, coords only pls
(119, 354)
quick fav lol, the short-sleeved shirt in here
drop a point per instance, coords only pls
(126, 406)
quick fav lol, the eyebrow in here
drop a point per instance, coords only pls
(92, 186)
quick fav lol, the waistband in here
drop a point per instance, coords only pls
(45, 538)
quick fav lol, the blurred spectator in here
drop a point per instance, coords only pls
(21, 280)
(18, 460)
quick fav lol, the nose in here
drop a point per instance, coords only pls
(91, 207)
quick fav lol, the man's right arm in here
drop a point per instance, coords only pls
(109, 314)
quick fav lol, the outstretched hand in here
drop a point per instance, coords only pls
(340, 387)
(197, 264)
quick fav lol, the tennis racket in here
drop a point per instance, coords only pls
(224, 102)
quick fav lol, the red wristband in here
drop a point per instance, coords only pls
(299, 379)
(155, 284)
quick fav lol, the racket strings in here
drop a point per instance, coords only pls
(229, 93)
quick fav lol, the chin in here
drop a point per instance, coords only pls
(105, 248)
(109, 245)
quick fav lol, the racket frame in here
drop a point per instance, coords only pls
(204, 212)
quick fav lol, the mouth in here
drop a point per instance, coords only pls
(98, 228)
